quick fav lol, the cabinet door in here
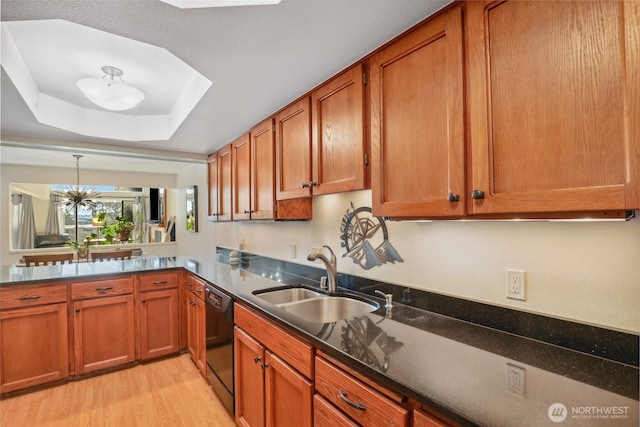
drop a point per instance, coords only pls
(158, 323)
(192, 332)
(337, 111)
(241, 178)
(34, 346)
(289, 395)
(551, 125)
(224, 184)
(263, 169)
(417, 123)
(212, 181)
(249, 380)
(293, 151)
(200, 337)
(632, 72)
(104, 333)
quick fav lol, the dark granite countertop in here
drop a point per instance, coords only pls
(458, 367)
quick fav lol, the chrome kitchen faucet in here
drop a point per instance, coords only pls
(330, 265)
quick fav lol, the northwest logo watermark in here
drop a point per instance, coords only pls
(557, 412)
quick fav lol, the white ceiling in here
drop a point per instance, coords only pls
(259, 58)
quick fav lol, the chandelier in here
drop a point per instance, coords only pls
(73, 198)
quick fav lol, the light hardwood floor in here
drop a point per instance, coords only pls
(170, 392)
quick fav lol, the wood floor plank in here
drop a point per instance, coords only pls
(169, 393)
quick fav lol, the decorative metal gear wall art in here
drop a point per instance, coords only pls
(361, 232)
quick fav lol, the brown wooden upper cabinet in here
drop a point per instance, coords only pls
(321, 143)
(554, 106)
(220, 172)
(293, 151)
(338, 134)
(417, 122)
(254, 173)
(212, 184)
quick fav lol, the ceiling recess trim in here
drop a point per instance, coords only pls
(189, 4)
(22, 43)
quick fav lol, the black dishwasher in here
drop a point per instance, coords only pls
(219, 342)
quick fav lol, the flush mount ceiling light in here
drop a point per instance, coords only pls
(188, 4)
(109, 93)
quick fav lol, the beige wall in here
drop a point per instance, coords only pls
(584, 271)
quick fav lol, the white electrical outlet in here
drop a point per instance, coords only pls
(293, 250)
(516, 284)
(516, 379)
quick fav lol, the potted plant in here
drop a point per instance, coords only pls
(122, 228)
(82, 249)
(100, 219)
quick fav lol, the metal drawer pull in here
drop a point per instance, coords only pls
(355, 405)
(199, 290)
(103, 289)
(161, 282)
(29, 298)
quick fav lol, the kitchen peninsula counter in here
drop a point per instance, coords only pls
(456, 367)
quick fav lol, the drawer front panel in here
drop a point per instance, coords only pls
(102, 288)
(29, 296)
(153, 282)
(357, 400)
(196, 286)
(326, 415)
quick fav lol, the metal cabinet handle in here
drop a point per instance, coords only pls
(257, 359)
(248, 212)
(77, 310)
(313, 184)
(29, 298)
(358, 406)
(144, 300)
(160, 282)
(477, 194)
(105, 288)
(198, 289)
(264, 366)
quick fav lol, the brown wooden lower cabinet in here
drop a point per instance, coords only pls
(269, 391)
(158, 314)
(104, 333)
(34, 346)
(196, 344)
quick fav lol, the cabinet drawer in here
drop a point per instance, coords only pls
(357, 400)
(326, 415)
(154, 282)
(101, 288)
(196, 286)
(29, 296)
(296, 353)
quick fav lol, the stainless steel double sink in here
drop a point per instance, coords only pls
(315, 306)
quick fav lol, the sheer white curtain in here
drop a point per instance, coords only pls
(141, 232)
(26, 226)
(55, 217)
